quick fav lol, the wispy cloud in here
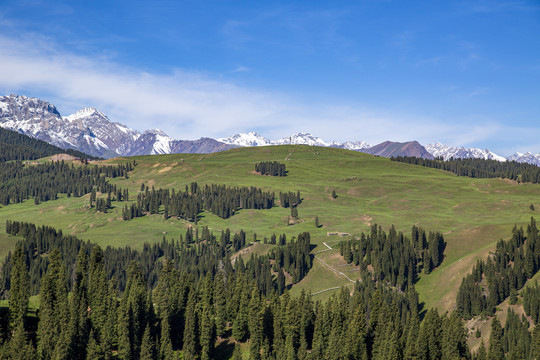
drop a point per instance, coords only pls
(189, 105)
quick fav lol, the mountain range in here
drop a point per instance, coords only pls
(91, 131)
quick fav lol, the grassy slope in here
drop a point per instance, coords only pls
(473, 213)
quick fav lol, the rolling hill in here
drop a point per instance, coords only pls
(473, 214)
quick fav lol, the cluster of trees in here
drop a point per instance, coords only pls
(272, 168)
(290, 199)
(220, 200)
(531, 302)
(479, 168)
(294, 257)
(395, 258)
(16, 146)
(514, 341)
(43, 182)
(501, 275)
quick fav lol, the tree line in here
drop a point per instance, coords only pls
(43, 182)
(395, 258)
(500, 275)
(479, 168)
(272, 168)
(16, 146)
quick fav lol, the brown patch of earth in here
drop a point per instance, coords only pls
(60, 157)
(165, 169)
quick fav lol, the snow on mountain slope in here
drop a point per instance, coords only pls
(301, 138)
(527, 157)
(351, 145)
(242, 139)
(447, 152)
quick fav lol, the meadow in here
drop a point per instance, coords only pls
(473, 214)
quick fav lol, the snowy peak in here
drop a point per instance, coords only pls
(242, 139)
(84, 114)
(528, 157)
(447, 152)
(351, 145)
(302, 138)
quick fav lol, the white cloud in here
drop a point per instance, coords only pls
(189, 105)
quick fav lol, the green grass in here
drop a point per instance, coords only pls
(472, 213)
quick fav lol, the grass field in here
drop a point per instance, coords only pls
(472, 213)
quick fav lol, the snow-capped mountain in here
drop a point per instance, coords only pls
(250, 139)
(301, 138)
(525, 158)
(455, 152)
(90, 131)
(351, 145)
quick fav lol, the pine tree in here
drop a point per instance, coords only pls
(166, 349)
(496, 351)
(20, 288)
(207, 324)
(94, 351)
(220, 303)
(53, 306)
(191, 329)
(482, 353)
(317, 222)
(147, 346)
(19, 347)
(355, 336)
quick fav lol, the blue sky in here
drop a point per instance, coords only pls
(457, 72)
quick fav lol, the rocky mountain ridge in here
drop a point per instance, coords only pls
(91, 131)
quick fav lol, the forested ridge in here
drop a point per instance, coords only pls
(16, 146)
(479, 168)
(43, 182)
(501, 275)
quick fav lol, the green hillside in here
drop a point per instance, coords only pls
(471, 213)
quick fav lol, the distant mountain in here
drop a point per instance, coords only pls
(250, 139)
(351, 145)
(525, 158)
(90, 131)
(390, 148)
(301, 138)
(455, 152)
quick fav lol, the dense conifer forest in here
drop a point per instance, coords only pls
(187, 296)
(43, 182)
(17, 146)
(479, 168)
